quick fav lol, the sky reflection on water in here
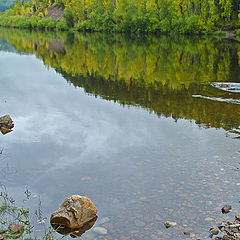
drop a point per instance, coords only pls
(134, 165)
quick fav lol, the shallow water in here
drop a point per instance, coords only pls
(131, 122)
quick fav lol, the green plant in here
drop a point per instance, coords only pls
(238, 32)
(69, 17)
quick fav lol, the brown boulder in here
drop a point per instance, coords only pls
(6, 124)
(74, 213)
(5, 130)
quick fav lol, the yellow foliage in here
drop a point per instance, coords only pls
(40, 15)
(45, 12)
(151, 6)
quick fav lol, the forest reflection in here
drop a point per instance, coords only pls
(169, 76)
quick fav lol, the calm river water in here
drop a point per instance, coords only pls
(131, 122)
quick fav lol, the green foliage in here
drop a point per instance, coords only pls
(61, 26)
(28, 22)
(192, 25)
(238, 32)
(219, 32)
(69, 18)
(11, 213)
(181, 16)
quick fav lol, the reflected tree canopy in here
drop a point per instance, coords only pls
(165, 75)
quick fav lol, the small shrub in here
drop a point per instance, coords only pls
(61, 25)
(69, 18)
(238, 32)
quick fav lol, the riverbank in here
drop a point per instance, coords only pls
(111, 17)
(39, 23)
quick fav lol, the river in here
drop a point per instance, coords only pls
(133, 122)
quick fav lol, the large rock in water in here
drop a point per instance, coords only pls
(74, 213)
(6, 124)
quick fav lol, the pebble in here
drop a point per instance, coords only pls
(15, 228)
(100, 230)
(143, 199)
(221, 227)
(213, 231)
(226, 209)
(226, 237)
(168, 224)
(237, 235)
(208, 219)
(186, 233)
(234, 226)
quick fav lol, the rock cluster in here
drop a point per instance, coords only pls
(229, 230)
(226, 229)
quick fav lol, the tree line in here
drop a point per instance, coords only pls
(183, 16)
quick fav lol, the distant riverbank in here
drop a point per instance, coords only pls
(119, 16)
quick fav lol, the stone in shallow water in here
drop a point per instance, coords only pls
(226, 209)
(100, 230)
(226, 237)
(186, 233)
(168, 224)
(208, 219)
(237, 235)
(15, 228)
(6, 124)
(213, 231)
(74, 212)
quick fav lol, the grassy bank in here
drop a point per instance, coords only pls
(182, 17)
(41, 23)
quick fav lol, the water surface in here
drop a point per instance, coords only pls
(131, 122)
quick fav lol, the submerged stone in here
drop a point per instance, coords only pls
(226, 209)
(168, 224)
(213, 231)
(6, 124)
(100, 230)
(74, 213)
(15, 228)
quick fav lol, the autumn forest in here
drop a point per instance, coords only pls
(181, 16)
